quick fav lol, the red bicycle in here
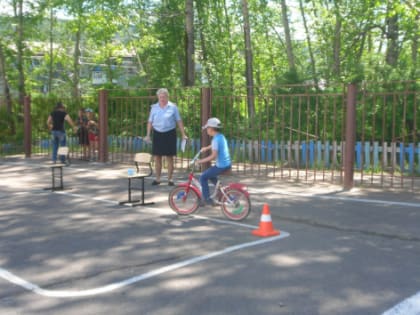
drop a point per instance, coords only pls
(233, 198)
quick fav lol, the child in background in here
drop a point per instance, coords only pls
(82, 133)
(93, 134)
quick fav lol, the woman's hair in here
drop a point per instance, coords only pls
(162, 91)
(59, 105)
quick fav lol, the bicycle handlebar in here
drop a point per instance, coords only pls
(194, 159)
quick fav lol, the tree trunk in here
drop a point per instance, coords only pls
(289, 46)
(230, 46)
(337, 43)
(248, 61)
(6, 91)
(50, 70)
(189, 43)
(415, 46)
(20, 46)
(200, 16)
(392, 51)
(76, 65)
(308, 41)
(337, 48)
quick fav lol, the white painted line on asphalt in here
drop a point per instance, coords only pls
(224, 221)
(410, 306)
(62, 192)
(8, 276)
(377, 201)
(148, 209)
(156, 210)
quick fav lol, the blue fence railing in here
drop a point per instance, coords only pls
(311, 154)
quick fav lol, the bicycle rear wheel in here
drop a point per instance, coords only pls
(182, 201)
(237, 205)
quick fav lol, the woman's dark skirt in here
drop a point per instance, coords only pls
(164, 143)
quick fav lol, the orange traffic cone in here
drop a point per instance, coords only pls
(266, 228)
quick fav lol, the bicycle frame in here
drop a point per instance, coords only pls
(232, 198)
(195, 185)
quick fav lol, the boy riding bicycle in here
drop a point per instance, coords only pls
(219, 152)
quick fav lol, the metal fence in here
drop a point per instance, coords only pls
(296, 133)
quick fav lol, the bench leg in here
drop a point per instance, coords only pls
(137, 202)
(61, 179)
(142, 194)
(54, 178)
(129, 200)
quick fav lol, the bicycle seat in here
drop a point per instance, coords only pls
(226, 173)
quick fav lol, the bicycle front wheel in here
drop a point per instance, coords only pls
(235, 205)
(183, 200)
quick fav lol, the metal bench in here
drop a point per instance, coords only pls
(143, 163)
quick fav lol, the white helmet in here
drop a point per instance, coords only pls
(212, 122)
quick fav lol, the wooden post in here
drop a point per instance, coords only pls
(206, 99)
(350, 136)
(27, 126)
(103, 126)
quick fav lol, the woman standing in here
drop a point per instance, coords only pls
(56, 125)
(163, 118)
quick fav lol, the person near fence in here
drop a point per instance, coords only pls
(163, 118)
(219, 152)
(82, 133)
(93, 134)
(56, 124)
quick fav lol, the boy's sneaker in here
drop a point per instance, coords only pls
(209, 202)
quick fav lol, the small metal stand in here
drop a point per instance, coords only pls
(135, 202)
(56, 177)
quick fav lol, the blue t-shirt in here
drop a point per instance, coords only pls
(164, 119)
(219, 144)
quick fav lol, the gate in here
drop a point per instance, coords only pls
(298, 133)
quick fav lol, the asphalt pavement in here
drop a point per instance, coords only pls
(79, 252)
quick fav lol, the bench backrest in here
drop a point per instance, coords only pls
(63, 151)
(143, 162)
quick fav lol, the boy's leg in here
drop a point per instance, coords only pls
(209, 174)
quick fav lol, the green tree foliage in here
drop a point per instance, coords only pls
(350, 40)
(332, 42)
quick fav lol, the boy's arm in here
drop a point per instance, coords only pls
(204, 149)
(209, 158)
